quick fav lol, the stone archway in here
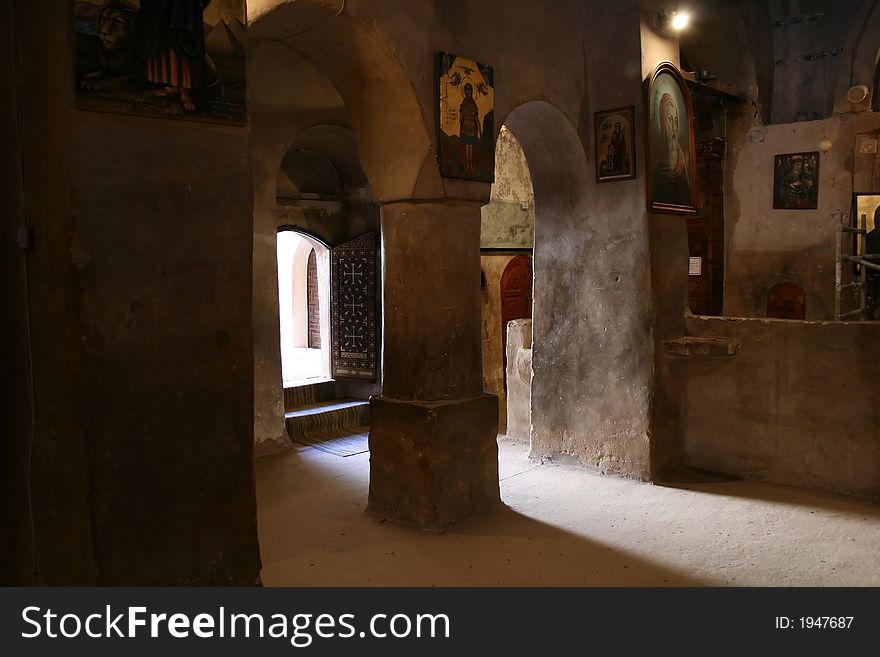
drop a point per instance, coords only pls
(394, 144)
(432, 431)
(337, 66)
(590, 388)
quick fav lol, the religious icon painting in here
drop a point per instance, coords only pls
(671, 161)
(615, 157)
(796, 181)
(177, 59)
(466, 134)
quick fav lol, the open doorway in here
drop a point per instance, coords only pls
(506, 241)
(304, 308)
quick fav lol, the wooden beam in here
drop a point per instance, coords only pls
(714, 88)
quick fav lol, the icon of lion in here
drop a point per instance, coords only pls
(117, 48)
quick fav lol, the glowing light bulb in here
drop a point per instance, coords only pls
(680, 20)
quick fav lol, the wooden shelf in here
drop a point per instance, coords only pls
(691, 346)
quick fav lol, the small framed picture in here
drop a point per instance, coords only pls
(615, 147)
(669, 137)
(796, 181)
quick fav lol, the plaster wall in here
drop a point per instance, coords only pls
(747, 29)
(508, 221)
(44, 466)
(764, 246)
(797, 405)
(162, 248)
(810, 53)
(668, 255)
(140, 329)
(592, 347)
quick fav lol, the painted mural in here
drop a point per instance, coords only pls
(467, 113)
(164, 58)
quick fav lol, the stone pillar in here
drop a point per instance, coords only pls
(433, 450)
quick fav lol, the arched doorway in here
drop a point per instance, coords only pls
(315, 108)
(507, 235)
(303, 304)
(578, 326)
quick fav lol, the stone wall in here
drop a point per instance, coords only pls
(508, 221)
(140, 331)
(519, 380)
(797, 404)
(764, 246)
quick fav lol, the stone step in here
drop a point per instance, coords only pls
(334, 416)
(312, 393)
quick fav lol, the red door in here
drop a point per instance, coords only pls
(516, 297)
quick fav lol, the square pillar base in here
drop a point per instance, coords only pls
(433, 463)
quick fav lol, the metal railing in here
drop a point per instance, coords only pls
(864, 260)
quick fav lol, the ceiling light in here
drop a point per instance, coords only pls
(672, 22)
(680, 20)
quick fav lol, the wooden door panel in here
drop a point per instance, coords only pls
(516, 297)
(353, 312)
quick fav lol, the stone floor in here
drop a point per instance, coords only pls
(562, 524)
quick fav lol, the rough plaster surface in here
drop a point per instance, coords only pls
(508, 221)
(519, 379)
(764, 246)
(798, 403)
(164, 280)
(45, 511)
(808, 87)
(669, 253)
(507, 225)
(593, 351)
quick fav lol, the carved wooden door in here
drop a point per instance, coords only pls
(516, 297)
(353, 312)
